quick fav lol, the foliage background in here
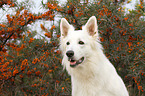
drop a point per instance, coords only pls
(32, 66)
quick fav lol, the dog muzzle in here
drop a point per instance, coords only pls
(74, 63)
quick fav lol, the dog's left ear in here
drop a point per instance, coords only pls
(91, 26)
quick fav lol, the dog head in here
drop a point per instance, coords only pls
(78, 45)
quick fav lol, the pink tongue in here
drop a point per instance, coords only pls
(73, 63)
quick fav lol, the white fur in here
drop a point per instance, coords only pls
(95, 76)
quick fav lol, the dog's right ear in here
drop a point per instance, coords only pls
(64, 27)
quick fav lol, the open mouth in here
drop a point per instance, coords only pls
(74, 63)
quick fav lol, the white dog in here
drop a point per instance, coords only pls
(91, 72)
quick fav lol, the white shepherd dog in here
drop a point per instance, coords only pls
(91, 72)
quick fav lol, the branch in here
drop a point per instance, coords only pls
(79, 25)
(72, 14)
(6, 41)
(26, 23)
(12, 76)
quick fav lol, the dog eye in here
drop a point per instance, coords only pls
(81, 42)
(67, 43)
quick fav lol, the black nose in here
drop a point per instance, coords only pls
(70, 53)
